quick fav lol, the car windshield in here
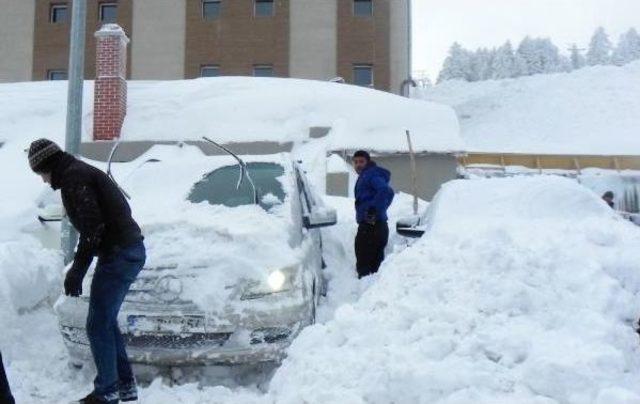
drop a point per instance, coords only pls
(219, 186)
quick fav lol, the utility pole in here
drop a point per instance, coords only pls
(69, 236)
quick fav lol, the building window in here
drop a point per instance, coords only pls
(59, 13)
(263, 71)
(363, 75)
(209, 71)
(56, 75)
(263, 8)
(363, 8)
(210, 9)
(108, 13)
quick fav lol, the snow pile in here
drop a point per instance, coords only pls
(239, 109)
(29, 274)
(594, 110)
(526, 297)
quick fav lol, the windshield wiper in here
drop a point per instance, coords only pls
(244, 171)
(111, 155)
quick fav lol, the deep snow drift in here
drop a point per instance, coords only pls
(235, 109)
(594, 110)
(524, 290)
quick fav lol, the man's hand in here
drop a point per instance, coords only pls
(371, 216)
(73, 284)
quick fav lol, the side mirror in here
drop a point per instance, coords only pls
(51, 213)
(410, 226)
(322, 217)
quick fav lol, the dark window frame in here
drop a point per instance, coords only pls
(209, 66)
(263, 66)
(255, 8)
(101, 7)
(202, 8)
(371, 8)
(362, 66)
(52, 72)
(52, 12)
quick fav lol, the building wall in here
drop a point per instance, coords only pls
(51, 41)
(238, 40)
(159, 47)
(313, 39)
(365, 40)
(433, 171)
(400, 46)
(16, 39)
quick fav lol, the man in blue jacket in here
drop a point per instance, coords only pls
(373, 197)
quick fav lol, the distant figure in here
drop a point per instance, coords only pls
(608, 198)
(373, 197)
(5, 391)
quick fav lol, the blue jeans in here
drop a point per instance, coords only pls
(114, 275)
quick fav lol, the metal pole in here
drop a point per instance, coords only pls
(74, 106)
(414, 174)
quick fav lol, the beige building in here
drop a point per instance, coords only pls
(365, 42)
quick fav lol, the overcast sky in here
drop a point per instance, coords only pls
(474, 23)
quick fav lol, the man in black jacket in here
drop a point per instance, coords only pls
(98, 210)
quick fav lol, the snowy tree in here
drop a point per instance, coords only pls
(599, 49)
(481, 64)
(540, 56)
(504, 62)
(457, 65)
(628, 48)
(577, 60)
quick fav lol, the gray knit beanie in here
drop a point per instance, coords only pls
(41, 155)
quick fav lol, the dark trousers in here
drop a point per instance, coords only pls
(5, 391)
(371, 241)
(114, 275)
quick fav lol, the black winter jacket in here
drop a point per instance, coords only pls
(96, 208)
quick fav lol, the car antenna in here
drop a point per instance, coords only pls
(244, 171)
(110, 174)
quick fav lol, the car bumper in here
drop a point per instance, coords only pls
(261, 337)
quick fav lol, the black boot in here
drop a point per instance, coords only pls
(95, 399)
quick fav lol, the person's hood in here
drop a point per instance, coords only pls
(375, 170)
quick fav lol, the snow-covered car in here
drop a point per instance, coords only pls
(234, 265)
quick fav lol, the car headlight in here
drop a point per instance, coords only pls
(279, 280)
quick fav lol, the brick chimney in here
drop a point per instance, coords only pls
(110, 92)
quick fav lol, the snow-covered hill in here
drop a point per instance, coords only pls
(594, 110)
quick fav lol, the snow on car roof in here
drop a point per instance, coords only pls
(462, 204)
(242, 109)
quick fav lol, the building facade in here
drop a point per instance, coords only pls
(365, 42)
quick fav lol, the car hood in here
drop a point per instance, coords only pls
(203, 253)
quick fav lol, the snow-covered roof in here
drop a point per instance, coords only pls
(594, 110)
(240, 109)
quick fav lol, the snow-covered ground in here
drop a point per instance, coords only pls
(594, 110)
(523, 290)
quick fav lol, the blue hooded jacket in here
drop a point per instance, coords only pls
(372, 191)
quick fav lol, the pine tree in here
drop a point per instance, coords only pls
(540, 55)
(577, 60)
(628, 48)
(599, 49)
(457, 65)
(481, 64)
(504, 62)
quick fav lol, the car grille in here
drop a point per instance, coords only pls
(195, 340)
(166, 341)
